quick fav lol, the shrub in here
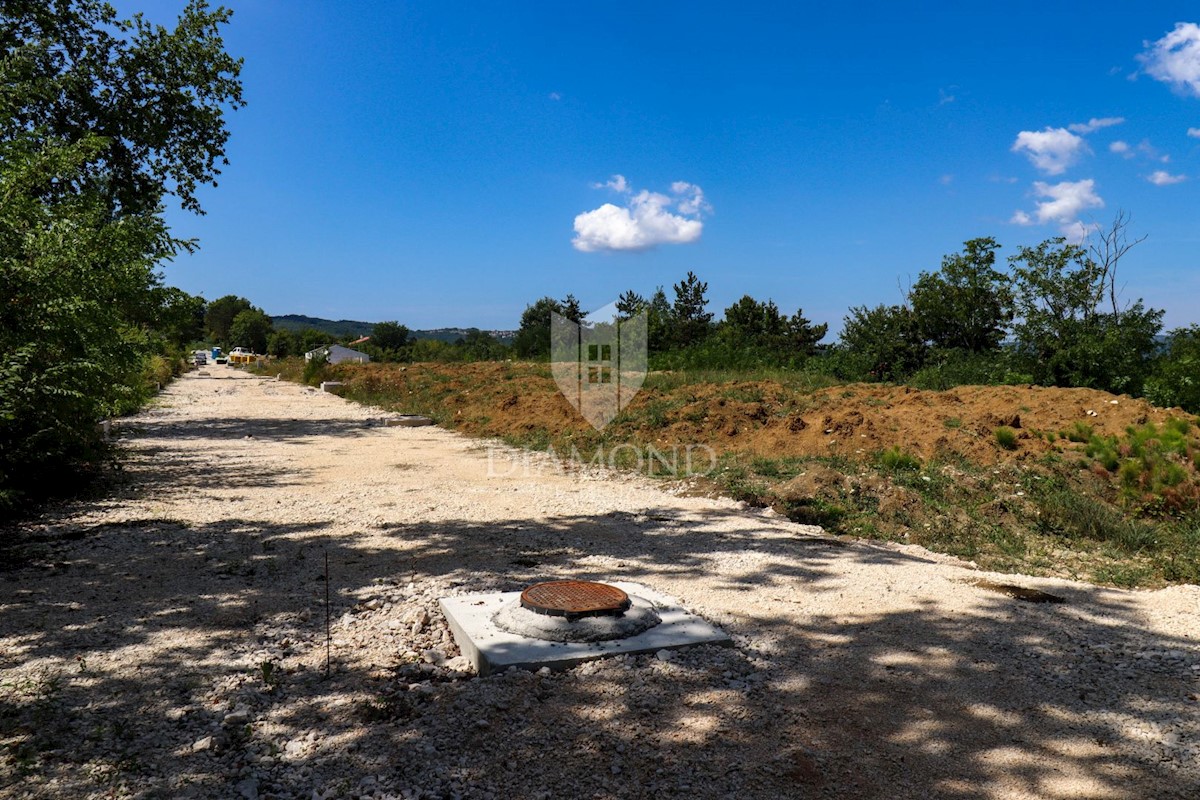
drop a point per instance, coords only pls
(315, 371)
(895, 458)
(1006, 437)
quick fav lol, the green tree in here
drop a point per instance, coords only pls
(630, 303)
(968, 304)
(691, 322)
(103, 119)
(283, 343)
(389, 336)
(218, 318)
(659, 322)
(177, 315)
(884, 343)
(251, 329)
(751, 323)
(1175, 380)
(803, 335)
(533, 336)
(1063, 336)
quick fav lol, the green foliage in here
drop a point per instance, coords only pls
(250, 329)
(749, 323)
(1063, 336)
(897, 459)
(945, 369)
(533, 335)
(1156, 465)
(219, 316)
(389, 336)
(1006, 437)
(315, 370)
(883, 343)
(1077, 516)
(81, 225)
(691, 322)
(968, 304)
(1175, 379)
(282, 344)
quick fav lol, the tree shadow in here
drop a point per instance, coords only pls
(130, 647)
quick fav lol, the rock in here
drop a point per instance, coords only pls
(202, 744)
(434, 656)
(815, 481)
(664, 655)
(239, 716)
(248, 788)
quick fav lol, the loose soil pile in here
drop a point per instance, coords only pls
(764, 417)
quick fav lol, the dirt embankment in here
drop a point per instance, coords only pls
(765, 417)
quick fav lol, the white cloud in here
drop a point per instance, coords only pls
(1194, 133)
(555, 96)
(617, 183)
(946, 180)
(1160, 177)
(1077, 231)
(1175, 58)
(1120, 148)
(1051, 150)
(1095, 124)
(1063, 203)
(647, 220)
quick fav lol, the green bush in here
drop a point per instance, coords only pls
(315, 371)
(895, 458)
(1006, 437)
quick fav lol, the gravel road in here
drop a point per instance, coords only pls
(168, 639)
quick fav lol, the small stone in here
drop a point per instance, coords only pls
(200, 745)
(665, 655)
(248, 789)
(239, 716)
(433, 656)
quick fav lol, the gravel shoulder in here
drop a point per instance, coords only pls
(169, 639)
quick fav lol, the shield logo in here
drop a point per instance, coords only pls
(600, 363)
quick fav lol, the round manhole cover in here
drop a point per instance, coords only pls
(575, 599)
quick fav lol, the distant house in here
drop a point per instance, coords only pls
(336, 354)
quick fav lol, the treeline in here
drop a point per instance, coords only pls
(101, 121)
(1052, 315)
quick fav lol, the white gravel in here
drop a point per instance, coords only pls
(168, 640)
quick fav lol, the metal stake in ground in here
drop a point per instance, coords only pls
(327, 639)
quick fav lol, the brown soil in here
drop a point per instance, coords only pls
(765, 417)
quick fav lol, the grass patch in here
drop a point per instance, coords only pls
(1006, 437)
(897, 459)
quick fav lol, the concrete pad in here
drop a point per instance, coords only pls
(491, 649)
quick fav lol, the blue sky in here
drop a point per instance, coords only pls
(447, 163)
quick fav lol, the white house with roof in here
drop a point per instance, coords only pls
(336, 354)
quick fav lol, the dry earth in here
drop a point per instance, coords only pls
(168, 641)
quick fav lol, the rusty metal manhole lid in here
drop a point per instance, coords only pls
(573, 599)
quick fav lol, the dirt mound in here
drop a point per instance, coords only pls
(763, 417)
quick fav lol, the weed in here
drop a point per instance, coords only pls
(896, 459)
(1080, 433)
(953, 423)
(1006, 437)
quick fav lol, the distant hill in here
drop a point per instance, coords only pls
(336, 328)
(350, 327)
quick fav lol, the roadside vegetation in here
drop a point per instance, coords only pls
(104, 120)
